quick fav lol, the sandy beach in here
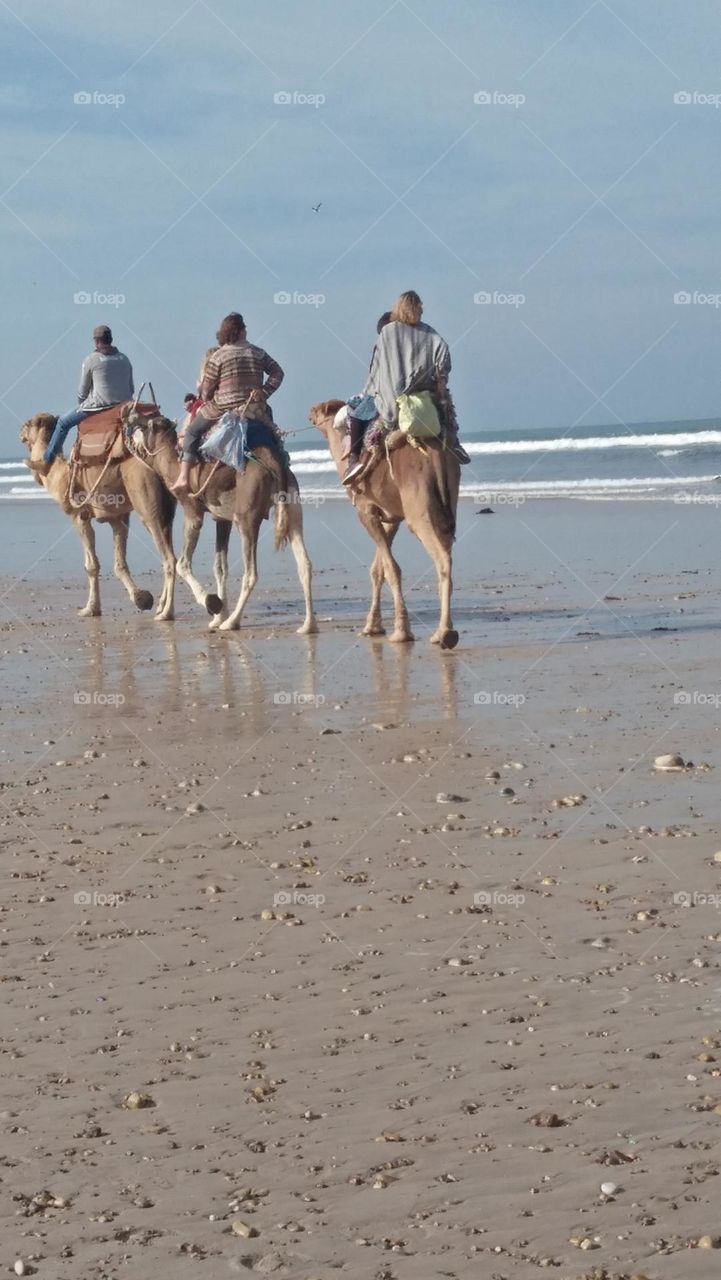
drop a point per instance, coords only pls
(402, 954)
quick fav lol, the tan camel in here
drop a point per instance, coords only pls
(126, 486)
(230, 497)
(418, 487)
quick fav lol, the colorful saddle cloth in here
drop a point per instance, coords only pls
(100, 434)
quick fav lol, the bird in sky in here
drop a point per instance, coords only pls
(316, 207)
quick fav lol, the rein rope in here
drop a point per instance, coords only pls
(71, 497)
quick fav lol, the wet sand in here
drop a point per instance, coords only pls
(383, 1034)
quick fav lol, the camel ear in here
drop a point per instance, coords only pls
(44, 421)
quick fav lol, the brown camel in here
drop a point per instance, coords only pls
(230, 497)
(420, 487)
(126, 486)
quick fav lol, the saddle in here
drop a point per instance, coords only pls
(100, 436)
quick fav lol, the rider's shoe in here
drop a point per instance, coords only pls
(353, 470)
(460, 453)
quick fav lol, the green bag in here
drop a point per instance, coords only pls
(418, 416)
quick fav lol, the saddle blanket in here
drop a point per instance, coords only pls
(99, 432)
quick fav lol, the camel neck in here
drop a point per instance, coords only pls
(165, 460)
(334, 440)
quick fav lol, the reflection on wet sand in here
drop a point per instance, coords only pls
(260, 679)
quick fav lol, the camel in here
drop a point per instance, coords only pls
(126, 486)
(230, 497)
(418, 486)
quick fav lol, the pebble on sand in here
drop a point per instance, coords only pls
(669, 763)
(708, 1242)
(19, 1267)
(547, 1120)
(244, 1229)
(136, 1101)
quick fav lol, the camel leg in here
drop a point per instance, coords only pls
(144, 497)
(438, 547)
(166, 597)
(304, 567)
(192, 525)
(141, 599)
(249, 540)
(374, 622)
(92, 568)
(163, 538)
(391, 572)
(220, 571)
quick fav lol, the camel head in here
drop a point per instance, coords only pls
(148, 431)
(36, 433)
(322, 414)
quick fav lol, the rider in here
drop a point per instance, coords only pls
(234, 373)
(361, 411)
(409, 356)
(106, 379)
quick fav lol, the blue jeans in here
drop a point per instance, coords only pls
(62, 427)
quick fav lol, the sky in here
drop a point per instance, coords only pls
(545, 175)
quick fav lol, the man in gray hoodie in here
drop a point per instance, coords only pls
(106, 379)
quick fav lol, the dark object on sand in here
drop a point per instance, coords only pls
(486, 511)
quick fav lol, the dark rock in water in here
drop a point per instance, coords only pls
(486, 511)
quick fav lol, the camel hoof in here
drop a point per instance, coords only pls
(308, 629)
(143, 600)
(213, 603)
(373, 631)
(229, 625)
(88, 613)
(449, 640)
(165, 617)
(401, 637)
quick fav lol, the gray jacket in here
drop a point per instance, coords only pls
(406, 358)
(105, 380)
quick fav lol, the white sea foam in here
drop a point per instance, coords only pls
(626, 441)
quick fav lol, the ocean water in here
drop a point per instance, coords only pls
(663, 461)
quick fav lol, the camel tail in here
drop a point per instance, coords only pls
(448, 516)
